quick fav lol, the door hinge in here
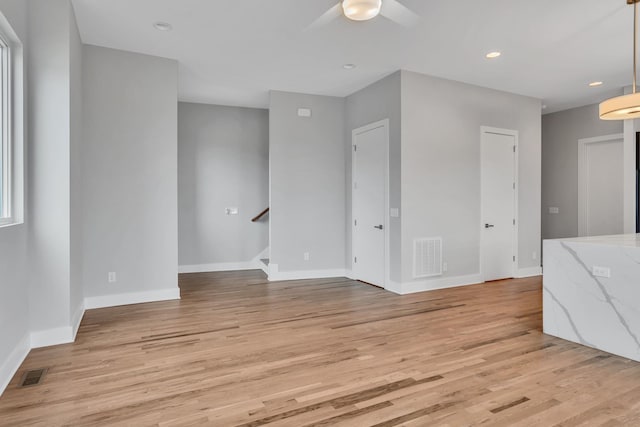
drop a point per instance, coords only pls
(355, 259)
(514, 258)
(355, 148)
(514, 148)
(514, 185)
(355, 222)
(514, 221)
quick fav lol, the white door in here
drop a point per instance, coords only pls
(370, 147)
(601, 183)
(498, 201)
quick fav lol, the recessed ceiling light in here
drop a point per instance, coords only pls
(596, 84)
(349, 66)
(493, 55)
(544, 107)
(162, 26)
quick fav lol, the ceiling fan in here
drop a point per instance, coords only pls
(364, 10)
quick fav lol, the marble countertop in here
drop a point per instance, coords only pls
(626, 240)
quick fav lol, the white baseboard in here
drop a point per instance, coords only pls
(10, 366)
(528, 272)
(276, 276)
(220, 266)
(433, 284)
(56, 336)
(131, 298)
(254, 264)
(450, 282)
(264, 267)
(49, 337)
(394, 287)
(426, 285)
(77, 319)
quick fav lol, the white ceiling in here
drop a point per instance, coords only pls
(232, 52)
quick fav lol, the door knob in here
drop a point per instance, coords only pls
(489, 226)
(379, 227)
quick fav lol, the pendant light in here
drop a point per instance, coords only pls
(627, 106)
(362, 10)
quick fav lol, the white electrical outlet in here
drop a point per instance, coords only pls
(534, 255)
(554, 210)
(231, 211)
(112, 277)
(306, 256)
(601, 272)
(445, 267)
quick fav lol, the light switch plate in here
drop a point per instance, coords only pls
(304, 112)
(394, 213)
(554, 210)
(231, 211)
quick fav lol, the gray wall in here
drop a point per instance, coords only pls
(307, 182)
(441, 123)
(49, 160)
(14, 318)
(379, 101)
(130, 194)
(223, 161)
(560, 134)
(76, 291)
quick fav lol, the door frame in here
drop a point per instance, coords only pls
(516, 229)
(385, 124)
(583, 185)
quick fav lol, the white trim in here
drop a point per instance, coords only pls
(77, 319)
(528, 272)
(264, 267)
(13, 128)
(583, 183)
(6, 145)
(11, 365)
(254, 264)
(394, 287)
(516, 229)
(441, 283)
(131, 298)
(387, 258)
(221, 266)
(49, 337)
(277, 276)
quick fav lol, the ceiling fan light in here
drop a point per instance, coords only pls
(621, 107)
(361, 10)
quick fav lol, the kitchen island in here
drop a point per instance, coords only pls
(591, 292)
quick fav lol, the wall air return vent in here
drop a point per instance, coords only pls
(427, 257)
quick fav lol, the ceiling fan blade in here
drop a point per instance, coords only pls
(397, 12)
(325, 18)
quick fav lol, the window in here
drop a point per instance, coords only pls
(6, 163)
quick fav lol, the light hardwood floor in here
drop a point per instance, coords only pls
(239, 351)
